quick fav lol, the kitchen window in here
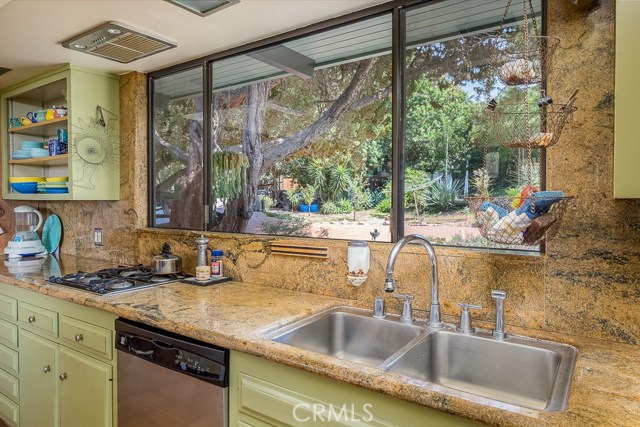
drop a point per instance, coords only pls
(306, 136)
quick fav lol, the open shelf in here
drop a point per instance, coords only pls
(41, 128)
(60, 159)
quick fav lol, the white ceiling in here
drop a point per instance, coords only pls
(31, 30)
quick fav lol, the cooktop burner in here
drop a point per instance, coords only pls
(117, 279)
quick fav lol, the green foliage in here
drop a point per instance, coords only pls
(339, 180)
(293, 195)
(481, 181)
(331, 176)
(308, 194)
(444, 195)
(416, 184)
(384, 206)
(267, 203)
(229, 174)
(342, 206)
(360, 197)
(439, 126)
(294, 226)
(513, 192)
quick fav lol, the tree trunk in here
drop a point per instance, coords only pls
(239, 211)
(187, 211)
(254, 112)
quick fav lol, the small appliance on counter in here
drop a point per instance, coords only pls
(25, 241)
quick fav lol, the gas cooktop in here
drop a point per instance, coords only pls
(117, 279)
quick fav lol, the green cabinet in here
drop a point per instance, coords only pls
(59, 370)
(85, 390)
(266, 394)
(92, 160)
(38, 401)
(626, 183)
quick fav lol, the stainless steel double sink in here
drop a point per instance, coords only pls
(517, 370)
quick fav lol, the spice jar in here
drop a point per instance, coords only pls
(216, 263)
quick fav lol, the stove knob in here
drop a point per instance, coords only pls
(78, 337)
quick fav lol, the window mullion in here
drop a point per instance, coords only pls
(206, 144)
(398, 59)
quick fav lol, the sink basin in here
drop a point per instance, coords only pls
(349, 333)
(524, 372)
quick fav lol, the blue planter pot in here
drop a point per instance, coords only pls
(305, 208)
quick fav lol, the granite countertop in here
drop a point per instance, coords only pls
(606, 382)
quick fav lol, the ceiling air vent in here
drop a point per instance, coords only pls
(117, 42)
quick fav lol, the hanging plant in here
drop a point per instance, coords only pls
(229, 174)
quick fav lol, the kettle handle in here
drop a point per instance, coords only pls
(39, 220)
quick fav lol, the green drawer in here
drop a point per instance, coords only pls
(38, 319)
(86, 337)
(8, 308)
(8, 333)
(9, 385)
(9, 360)
(9, 411)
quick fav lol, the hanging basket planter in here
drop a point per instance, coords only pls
(511, 221)
(522, 60)
(530, 125)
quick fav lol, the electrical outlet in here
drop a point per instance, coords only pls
(97, 236)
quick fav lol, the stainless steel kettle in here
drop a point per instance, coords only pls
(166, 262)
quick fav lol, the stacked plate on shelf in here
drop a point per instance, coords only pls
(28, 150)
(54, 185)
(25, 184)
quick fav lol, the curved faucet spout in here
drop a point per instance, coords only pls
(434, 313)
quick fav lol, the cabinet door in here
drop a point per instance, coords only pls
(85, 389)
(38, 399)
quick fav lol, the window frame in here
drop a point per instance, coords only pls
(398, 10)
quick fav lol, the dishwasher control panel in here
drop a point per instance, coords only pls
(197, 365)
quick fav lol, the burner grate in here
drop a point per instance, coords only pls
(116, 279)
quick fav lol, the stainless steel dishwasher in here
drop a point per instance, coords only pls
(169, 380)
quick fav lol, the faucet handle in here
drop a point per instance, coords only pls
(499, 296)
(378, 308)
(465, 318)
(407, 310)
(466, 307)
(496, 294)
(405, 297)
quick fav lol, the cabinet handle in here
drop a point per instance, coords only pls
(79, 337)
(46, 369)
(31, 319)
(63, 376)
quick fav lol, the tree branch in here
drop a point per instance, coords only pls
(284, 109)
(276, 150)
(178, 153)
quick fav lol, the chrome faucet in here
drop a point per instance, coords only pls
(499, 296)
(390, 282)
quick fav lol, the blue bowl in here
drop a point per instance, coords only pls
(25, 187)
(27, 145)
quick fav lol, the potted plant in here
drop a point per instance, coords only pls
(308, 195)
